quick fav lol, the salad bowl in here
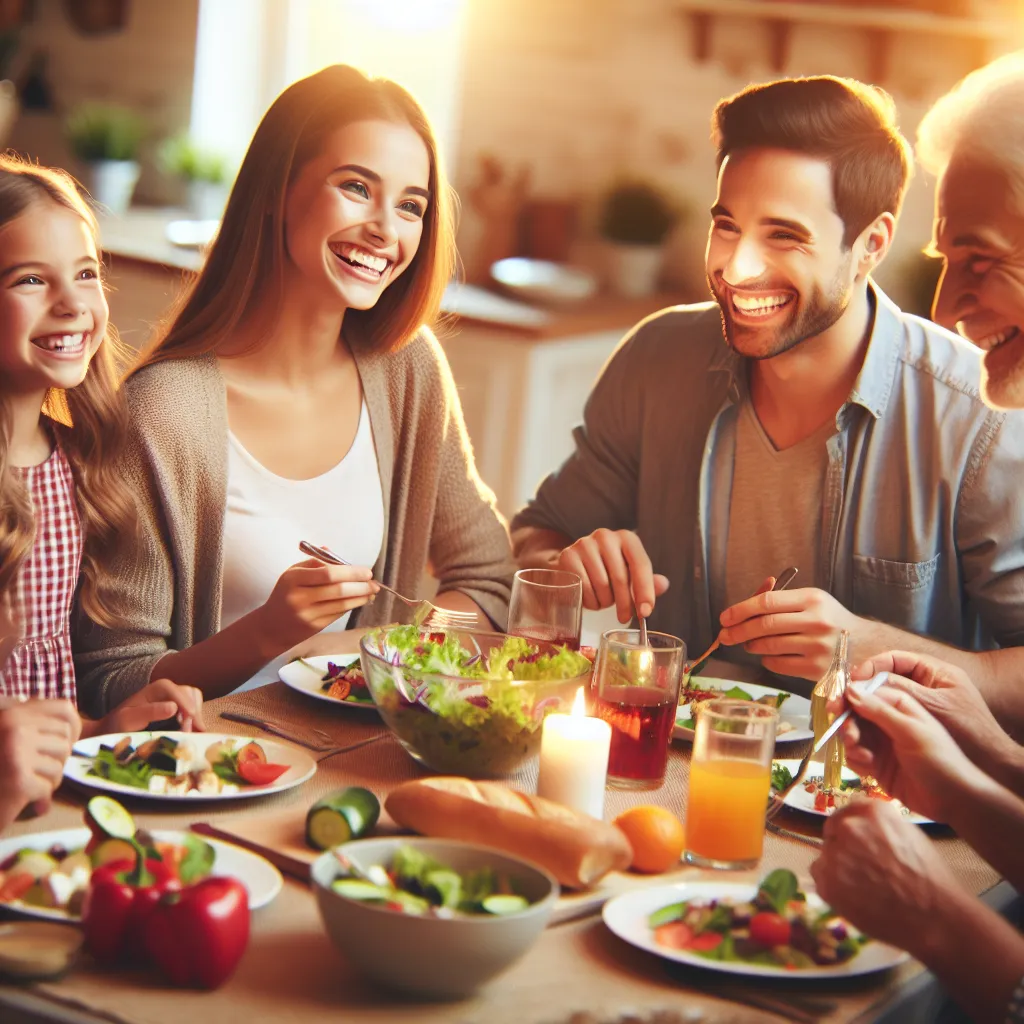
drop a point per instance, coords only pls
(443, 956)
(469, 703)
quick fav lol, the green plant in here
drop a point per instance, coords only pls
(98, 131)
(636, 213)
(185, 159)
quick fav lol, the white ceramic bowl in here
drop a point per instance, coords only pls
(542, 281)
(445, 958)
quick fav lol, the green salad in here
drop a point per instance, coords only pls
(471, 712)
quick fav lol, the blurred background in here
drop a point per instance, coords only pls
(576, 132)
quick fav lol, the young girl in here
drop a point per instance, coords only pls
(297, 395)
(63, 503)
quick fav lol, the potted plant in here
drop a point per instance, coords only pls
(204, 171)
(635, 221)
(106, 139)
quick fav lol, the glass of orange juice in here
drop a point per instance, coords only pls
(730, 777)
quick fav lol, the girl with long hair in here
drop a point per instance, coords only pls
(63, 502)
(297, 393)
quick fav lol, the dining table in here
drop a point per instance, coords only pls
(577, 972)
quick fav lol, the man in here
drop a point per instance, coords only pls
(833, 432)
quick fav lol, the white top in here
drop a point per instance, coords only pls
(267, 515)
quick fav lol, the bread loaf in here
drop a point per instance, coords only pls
(577, 849)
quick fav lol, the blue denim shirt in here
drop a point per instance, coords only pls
(922, 522)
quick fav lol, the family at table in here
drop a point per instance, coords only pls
(150, 527)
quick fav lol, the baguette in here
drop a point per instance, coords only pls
(577, 849)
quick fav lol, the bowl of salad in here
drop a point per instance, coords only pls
(469, 703)
(431, 917)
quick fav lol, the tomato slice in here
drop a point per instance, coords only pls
(251, 752)
(674, 935)
(260, 773)
(769, 929)
(705, 942)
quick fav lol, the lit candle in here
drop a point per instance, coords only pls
(574, 760)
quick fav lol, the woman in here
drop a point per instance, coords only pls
(297, 395)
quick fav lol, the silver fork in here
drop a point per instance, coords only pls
(426, 611)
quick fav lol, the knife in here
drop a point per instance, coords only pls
(869, 687)
(262, 723)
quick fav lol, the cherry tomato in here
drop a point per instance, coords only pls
(769, 929)
(820, 801)
(674, 935)
(259, 773)
(705, 942)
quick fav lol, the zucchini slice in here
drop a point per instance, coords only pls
(341, 816)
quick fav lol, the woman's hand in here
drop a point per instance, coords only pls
(36, 737)
(159, 700)
(892, 738)
(311, 595)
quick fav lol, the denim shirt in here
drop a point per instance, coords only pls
(922, 523)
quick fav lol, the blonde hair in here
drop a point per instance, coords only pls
(983, 114)
(245, 268)
(90, 421)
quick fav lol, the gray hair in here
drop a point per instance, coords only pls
(983, 114)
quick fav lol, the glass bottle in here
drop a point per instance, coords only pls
(831, 686)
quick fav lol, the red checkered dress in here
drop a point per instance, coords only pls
(40, 664)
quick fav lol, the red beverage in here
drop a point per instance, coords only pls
(641, 722)
(550, 634)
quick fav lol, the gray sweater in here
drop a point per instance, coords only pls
(437, 511)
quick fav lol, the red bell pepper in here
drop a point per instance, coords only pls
(119, 903)
(198, 935)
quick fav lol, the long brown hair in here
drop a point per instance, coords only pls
(245, 267)
(90, 422)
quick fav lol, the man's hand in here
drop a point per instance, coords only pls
(948, 693)
(883, 874)
(615, 569)
(896, 741)
(794, 631)
(153, 703)
(36, 738)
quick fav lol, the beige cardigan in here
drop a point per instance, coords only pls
(437, 511)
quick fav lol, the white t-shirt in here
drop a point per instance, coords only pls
(267, 515)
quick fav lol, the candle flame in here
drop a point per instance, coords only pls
(579, 708)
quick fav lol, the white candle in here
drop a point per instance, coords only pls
(574, 760)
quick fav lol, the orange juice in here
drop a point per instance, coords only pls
(726, 808)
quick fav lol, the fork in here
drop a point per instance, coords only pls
(443, 618)
(325, 745)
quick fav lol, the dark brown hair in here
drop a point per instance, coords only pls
(244, 270)
(849, 125)
(90, 421)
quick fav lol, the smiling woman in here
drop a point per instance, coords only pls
(297, 394)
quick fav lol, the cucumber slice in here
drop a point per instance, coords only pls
(113, 849)
(357, 889)
(341, 816)
(502, 905)
(666, 915)
(109, 818)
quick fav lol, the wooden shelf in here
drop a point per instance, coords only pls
(880, 22)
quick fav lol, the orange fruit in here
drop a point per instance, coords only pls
(656, 835)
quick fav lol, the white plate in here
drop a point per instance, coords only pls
(259, 876)
(302, 678)
(799, 798)
(796, 711)
(300, 765)
(626, 915)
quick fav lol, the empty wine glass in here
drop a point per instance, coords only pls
(547, 604)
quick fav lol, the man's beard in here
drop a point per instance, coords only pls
(809, 318)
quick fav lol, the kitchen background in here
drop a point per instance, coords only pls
(575, 130)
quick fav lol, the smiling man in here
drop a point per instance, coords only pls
(832, 432)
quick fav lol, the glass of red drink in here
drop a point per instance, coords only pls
(635, 690)
(547, 604)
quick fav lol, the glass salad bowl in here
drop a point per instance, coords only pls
(469, 703)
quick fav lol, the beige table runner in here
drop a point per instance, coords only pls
(291, 972)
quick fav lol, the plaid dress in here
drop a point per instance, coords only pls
(40, 664)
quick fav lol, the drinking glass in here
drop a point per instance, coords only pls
(730, 777)
(547, 604)
(635, 689)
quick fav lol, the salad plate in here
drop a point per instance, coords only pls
(190, 754)
(629, 917)
(312, 676)
(259, 876)
(794, 712)
(803, 799)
